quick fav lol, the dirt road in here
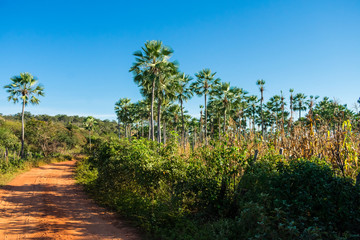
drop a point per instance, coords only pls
(45, 203)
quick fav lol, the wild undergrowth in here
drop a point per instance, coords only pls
(219, 191)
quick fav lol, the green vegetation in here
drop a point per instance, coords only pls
(48, 139)
(219, 192)
(245, 169)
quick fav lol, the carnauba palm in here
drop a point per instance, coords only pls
(24, 88)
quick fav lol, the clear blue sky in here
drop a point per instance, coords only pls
(81, 51)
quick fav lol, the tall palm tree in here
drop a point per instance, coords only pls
(274, 106)
(299, 103)
(166, 88)
(215, 110)
(123, 112)
(24, 87)
(291, 103)
(194, 125)
(89, 125)
(143, 107)
(184, 93)
(251, 109)
(261, 84)
(147, 69)
(228, 96)
(201, 124)
(311, 103)
(282, 100)
(204, 83)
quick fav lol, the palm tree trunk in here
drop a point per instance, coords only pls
(262, 117)
(183, 124)
(205, 121)
(164, 132)
(219, 126)
(22, 130)
(152, 131)
(119, 128)
(129, 131)
(224, 127)
(201, 128)
(142, 128)
(194, 137)
(159, 121)
(149, 128)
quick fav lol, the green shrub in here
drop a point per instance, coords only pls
(216, 193)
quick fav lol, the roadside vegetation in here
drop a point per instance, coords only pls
(250, 166)
(247, 168)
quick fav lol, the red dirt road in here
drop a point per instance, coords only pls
(45, 203)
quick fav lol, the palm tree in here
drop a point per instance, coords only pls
(184, 94)
(311, 103)
(215, 111)
(142, 108)
(89, 124)
(251, 109)
(204, 83)
(24, 87)
(299, 103)
(147, 70)
(201, 124)
(194, 125)
(228, 97)
(282, 100)
(123, 112)
(261, 84)
(166, 88)
(291, 103)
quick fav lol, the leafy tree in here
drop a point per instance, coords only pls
(24, 87)
(8, 140)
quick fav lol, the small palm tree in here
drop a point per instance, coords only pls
(204, 83)
(24, 87)
(122, 110)
(89, 125)
(299, 103)
(261, 84)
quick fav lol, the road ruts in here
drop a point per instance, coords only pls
(45, 203)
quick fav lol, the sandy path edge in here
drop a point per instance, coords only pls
(46, 203)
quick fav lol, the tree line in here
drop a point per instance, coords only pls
(226, 108)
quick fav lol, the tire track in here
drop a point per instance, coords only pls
(45, 203)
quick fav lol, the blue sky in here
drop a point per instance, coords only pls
(81, 51)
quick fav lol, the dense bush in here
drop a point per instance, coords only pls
(216, 193)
